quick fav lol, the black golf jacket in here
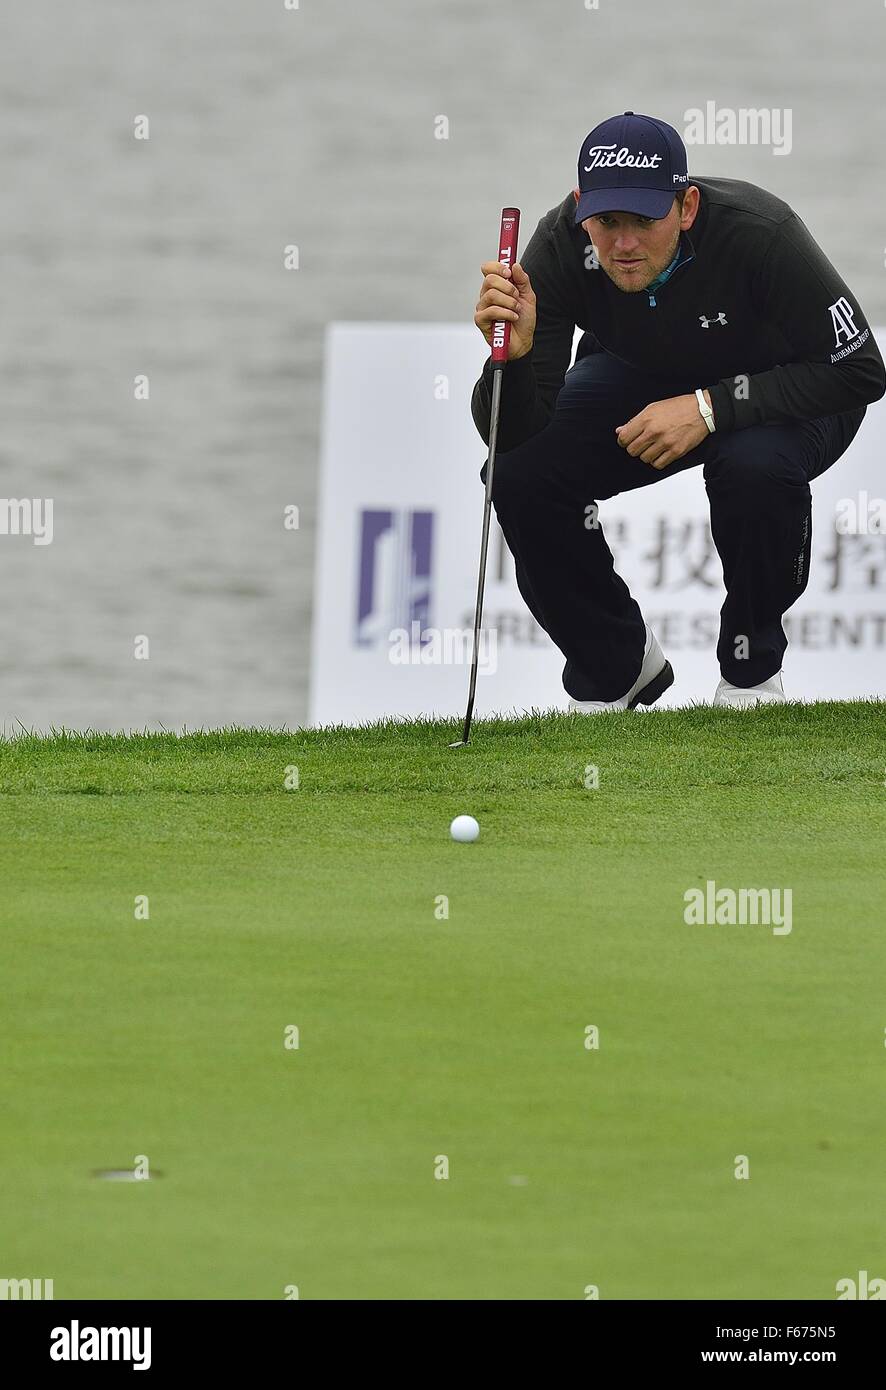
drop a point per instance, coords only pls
(756, 313)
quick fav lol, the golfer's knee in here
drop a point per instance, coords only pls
(754, 475)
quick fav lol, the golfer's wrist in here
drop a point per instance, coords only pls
(518, 357)
(706, 408)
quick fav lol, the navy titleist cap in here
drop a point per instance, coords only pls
(631, 164)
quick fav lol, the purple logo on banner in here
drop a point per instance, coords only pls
(393, 573)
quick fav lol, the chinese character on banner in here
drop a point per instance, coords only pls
(856, 562)
(682, 553)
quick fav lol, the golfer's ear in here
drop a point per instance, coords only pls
(575, 194)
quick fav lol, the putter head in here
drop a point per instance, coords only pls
(462, 743)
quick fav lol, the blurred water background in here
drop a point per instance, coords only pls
(311, 127)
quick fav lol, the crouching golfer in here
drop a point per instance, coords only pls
(717, 334)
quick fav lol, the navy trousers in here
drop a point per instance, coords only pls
(757, 482)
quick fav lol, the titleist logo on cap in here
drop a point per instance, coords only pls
(604, 155)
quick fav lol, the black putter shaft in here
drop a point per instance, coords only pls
(484, 548)
(501, 333)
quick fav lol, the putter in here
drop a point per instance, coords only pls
(501, 333)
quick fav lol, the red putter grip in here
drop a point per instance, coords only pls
(507, 254)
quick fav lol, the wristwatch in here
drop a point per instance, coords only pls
(706, 413)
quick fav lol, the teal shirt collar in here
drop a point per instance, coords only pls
(682, 255)
(666, 273)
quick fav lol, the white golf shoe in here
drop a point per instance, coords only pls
(769, 692)
(656, 674)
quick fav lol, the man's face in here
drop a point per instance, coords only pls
(632, 250)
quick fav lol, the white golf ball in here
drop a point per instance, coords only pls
(464, 828)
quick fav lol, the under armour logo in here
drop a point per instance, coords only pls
(842, 320)
(706, 322)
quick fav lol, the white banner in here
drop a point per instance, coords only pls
(401, 508)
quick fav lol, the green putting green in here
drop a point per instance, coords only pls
(443, 995)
